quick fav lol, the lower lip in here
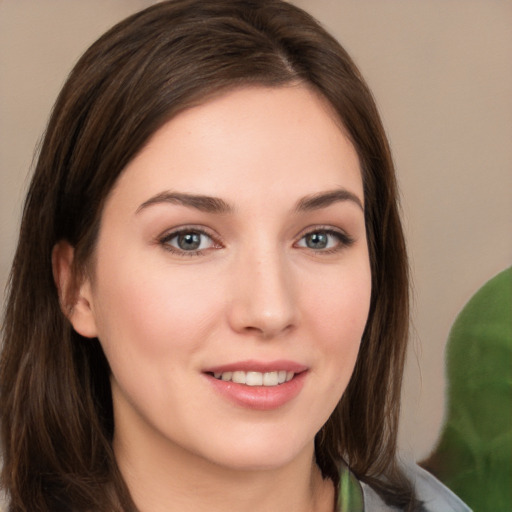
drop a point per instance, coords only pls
(261, 398)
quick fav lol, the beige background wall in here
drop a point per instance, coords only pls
(442, 75)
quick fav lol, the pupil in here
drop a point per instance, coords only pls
(317, 241)
(189, 241)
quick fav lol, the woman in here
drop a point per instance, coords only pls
(208, 305)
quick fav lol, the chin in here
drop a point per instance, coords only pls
(254, 452)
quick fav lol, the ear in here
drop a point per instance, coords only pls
(75, 298)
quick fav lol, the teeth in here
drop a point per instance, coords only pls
(239, 377)
(256, 378)
(270, 379)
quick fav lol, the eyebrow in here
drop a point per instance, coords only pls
(200, 202)
(325, 199)
(211, 204)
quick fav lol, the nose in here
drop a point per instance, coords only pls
(263, 300)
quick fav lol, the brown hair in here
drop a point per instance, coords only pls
(55, 396)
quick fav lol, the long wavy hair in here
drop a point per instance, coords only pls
(55, 398)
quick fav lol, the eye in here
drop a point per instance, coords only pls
(326, 240)
(190, 241)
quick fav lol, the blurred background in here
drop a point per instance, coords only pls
(442, 76)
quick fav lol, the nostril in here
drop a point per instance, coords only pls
(262, 303)
(268, 331)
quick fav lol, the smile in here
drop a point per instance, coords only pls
(252, 378)
(258, 385)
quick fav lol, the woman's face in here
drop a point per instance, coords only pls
(232, 249)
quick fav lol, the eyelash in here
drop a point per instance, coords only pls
(343, 239)
(165, 239)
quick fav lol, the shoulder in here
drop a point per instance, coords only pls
(431, 492)
(434, 495)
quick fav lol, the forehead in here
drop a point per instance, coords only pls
(247, 141)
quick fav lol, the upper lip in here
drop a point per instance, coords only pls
(258, 366)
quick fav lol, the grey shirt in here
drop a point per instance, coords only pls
(435, 496)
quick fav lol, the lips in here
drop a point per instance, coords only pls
(258, 385)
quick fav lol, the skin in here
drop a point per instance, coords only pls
(255, 290)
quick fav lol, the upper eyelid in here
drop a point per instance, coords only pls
(171, 233)
(322, 227)
(209, 232)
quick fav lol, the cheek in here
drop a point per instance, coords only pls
(340, 301)
(337, 315)
(151, 310)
